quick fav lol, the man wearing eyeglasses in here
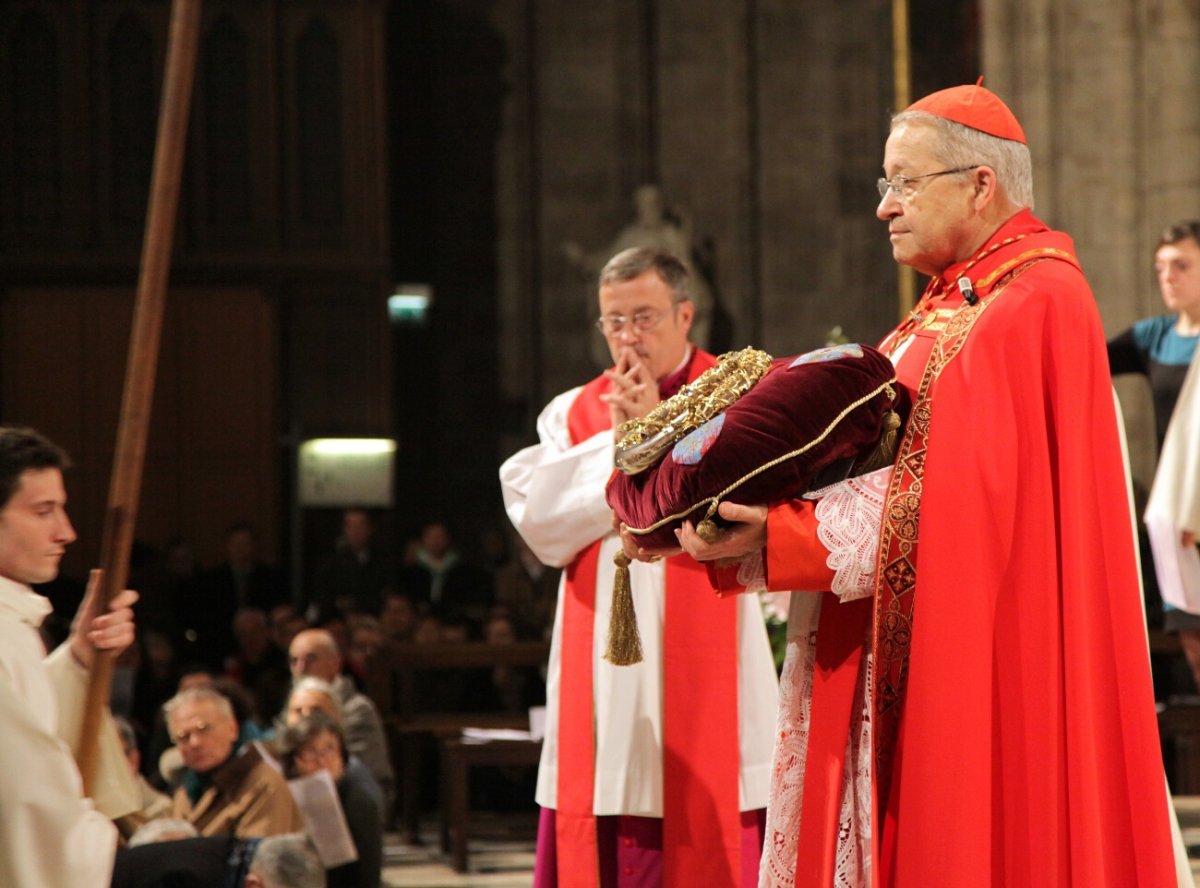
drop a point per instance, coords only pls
(315, 653)
(987, 719)
(227, 788)
(635, 789)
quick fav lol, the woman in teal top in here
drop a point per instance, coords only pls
(1161, 348)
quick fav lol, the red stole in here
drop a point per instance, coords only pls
(701, 753)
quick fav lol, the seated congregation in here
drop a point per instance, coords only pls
(267, 728)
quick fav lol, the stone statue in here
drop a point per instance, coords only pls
(654, 226)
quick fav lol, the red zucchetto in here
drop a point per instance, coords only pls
(973, 106)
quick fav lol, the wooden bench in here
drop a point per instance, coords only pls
(393, 680)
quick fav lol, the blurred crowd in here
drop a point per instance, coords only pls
(239, 683)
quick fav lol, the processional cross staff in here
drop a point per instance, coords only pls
(130, 449)
(906, 280)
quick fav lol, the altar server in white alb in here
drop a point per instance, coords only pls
(655, 773)
(50, 836)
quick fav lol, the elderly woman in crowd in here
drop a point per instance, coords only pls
(311, 695)
(314, 743)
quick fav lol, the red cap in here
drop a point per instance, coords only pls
(973, 106)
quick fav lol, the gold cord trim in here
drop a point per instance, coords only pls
(714, 501)
(1005, 267)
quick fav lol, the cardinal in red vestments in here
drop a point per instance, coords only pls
(971, 704)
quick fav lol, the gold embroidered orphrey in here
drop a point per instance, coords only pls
(897, 565)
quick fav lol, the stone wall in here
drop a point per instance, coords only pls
(763, 123)
(1106, 92)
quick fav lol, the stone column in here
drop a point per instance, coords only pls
(1106, 93)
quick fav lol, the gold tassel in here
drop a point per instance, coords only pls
(707, 528)
(884, 453)
(624, 642)
(708, 531)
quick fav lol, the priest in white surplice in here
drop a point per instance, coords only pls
(656, 773)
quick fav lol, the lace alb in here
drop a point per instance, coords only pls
(751, 574)
(852, 868)
(848, 515)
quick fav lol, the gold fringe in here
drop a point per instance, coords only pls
(884, 453)
(641, 442)
(624, 643)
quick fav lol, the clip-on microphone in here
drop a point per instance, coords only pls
(968, 292)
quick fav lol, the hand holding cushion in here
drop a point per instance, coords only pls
(761, 429)
(803, 416)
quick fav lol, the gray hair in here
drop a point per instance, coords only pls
(317, 686)
(636, 261)
(199, 695)
(288, 861)
(961, 146)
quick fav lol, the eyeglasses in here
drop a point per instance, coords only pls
(323, 753)
(902, 187)
(642, 320)
(201, 730)
(307, 659)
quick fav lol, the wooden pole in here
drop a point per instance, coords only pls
(906, 280)
(130, 451)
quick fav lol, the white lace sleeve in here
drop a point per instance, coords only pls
(849, 514)
(751, 574)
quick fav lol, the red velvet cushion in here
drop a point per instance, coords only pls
(829, 403)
